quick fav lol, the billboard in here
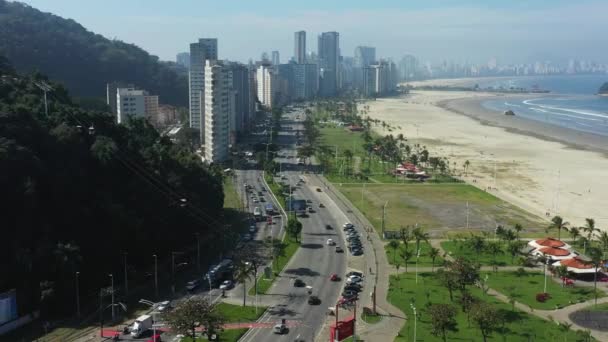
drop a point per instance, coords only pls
(342, 330)
(296, 205)
(8, 306)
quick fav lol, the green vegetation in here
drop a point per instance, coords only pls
(371, 318)
(232, 199)
(518, 326)
(524, 288)
(434, 206)
(80, 191)
(396, 255)
(237, 313)
(82, 60)
(460, 248)
(603, 89)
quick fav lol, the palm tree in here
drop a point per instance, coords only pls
(557, 222)
(348, 154)
(243, 272)
(518, 229)
(420, 235)
(466, 165)
(574, 233)
(406, 255)
(394, 245)
(494, 248)
(603, 239)
(433, 253)
(406, 237)
(596, 260)
(589, 228)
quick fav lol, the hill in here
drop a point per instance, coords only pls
(78, 191)
(604, 89)
(82, 60)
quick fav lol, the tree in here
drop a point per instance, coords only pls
(466, 166)
(494, 248)
(574, 233)
(443, 319)
(433, 254)
(557, 222)
(589, 228)
(477, 244)
(595, 254)
(486, 317)
(466, 271)
(448, 279)
(419, 235)
(514, 248)
(393, 244)
(242, 274)
(406, 255)
(184, 317)
(348, 154)
(294, 227)
(518, 229)
(603, 240)
(406, 237)
(561, 271)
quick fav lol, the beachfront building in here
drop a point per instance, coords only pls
(204, 49)
(219, 111)
(329, 53)
(267, 84)
(135, 103)
(299, 49)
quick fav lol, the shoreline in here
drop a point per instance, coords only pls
(473, 108)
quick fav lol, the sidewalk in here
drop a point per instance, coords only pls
(388, 328)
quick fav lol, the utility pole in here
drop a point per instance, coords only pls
(45, 88)
(77, 295)
(156, 274)
(126, 275)
(112, 280)
(383, 217)
(198, 251)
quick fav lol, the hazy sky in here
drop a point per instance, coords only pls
(434, 30)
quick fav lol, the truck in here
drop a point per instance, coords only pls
(142, 324)
(257, 213)
(269, 209)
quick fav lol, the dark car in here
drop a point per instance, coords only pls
(356, 252)
(298, 283)
(328, 227)
(314, 300)
(339, 249)
(349, 294)
(352, 287)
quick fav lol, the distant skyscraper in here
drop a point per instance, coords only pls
(364, 56)
(276, 60)
(267, 85)
(205, 49)
(241, 83)
(408, 68)
(183, 59)
(299, 51)
(219, 110)
(329, 52)
(305, 81)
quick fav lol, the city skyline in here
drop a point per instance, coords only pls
(439, 30)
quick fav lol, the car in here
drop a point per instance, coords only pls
(328, 227)
(279, 329)
(247, 237)
(355, 246)
(263, 189)
(260, 193)
(163, 306)
(262, 199)
(339, 249)
(314, 300)
(298, 283)
(318, 189)
(349, 294)
(226, 285)
(193, 285)
(353, 287)
(354, 280)
(334, 277)
(331, 242)
(310, 210)
(255, 200)
(356, 252)
(155, 338)
(308, 201)
(321, 205)
(348, 225)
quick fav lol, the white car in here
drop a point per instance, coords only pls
(331, 242)
(354, 279)
(347, 225)
(226, 285)
(162, 306)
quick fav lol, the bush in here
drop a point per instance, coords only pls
(542, 297)
(367, 311)
(520, 272)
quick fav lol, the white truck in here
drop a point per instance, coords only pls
(142, 324)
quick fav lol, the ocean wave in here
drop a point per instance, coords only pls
(562, 114)
(512, 104)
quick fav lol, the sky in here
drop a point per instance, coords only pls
(512, 31)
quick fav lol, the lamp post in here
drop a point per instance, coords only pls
(546, 264)
(155, 274)
(198, 251)
(126, 275)
(112, 284)
(417, 257)
(173, 254)
(415, 319)
(384, 217)
(77, 295)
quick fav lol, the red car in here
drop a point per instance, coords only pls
(334, 277)
(155, 338)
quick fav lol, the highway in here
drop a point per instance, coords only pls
(314, 262)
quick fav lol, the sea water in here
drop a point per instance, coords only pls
(572, 102)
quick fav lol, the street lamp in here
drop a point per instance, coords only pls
(546, 264)
(155, 274)
(173, 254)
(415, 319)
(112, 281)
(198, 250)
(77, 295)
(126, 275)
(417, 257)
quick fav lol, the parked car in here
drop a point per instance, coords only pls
(331, 242)
(318, 189)
(352, 287)
(279, 329)
(354, 279)
(192, 285)
(349, 294)
(262, 199)
(314, 300)
(321, 205)
(339, 249)
(226, 285)
(298, 283)
(357, 252)
(348, 226)
(328, 227)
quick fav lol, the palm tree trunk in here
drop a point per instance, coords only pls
(244, 293)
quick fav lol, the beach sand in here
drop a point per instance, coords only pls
(539, 167)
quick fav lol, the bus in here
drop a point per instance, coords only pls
(269, 208)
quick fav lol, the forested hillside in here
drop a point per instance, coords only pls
(78, 191)
(604, 88)
(82, 60)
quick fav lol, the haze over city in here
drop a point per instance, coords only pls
(436, 30)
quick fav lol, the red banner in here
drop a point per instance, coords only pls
(343, 330)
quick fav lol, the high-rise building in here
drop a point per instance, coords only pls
(329, 52)
(219, 110)
(409, 68)
(305, 81)
(183, 59)
(276, 60)
(204, 49)
(299, 50)
(135, 103)
(243, 113)
(267, 83)
(364, 56)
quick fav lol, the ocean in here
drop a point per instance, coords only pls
(572, 102)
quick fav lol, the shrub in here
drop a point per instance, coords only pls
(542, 297)
(520, 272)
(367, 311)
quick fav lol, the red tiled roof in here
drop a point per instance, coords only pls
(550, 242)
(554, 251)
(576, 263)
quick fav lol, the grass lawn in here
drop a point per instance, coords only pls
(518, 326)
(290, 246)
(371, 318)
(238, 313)
(435, 206)
(231, 196)
(596, 308)
(394, 256)
(460, 249)
(526, 287)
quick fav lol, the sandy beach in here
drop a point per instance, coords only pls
(542, 168)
